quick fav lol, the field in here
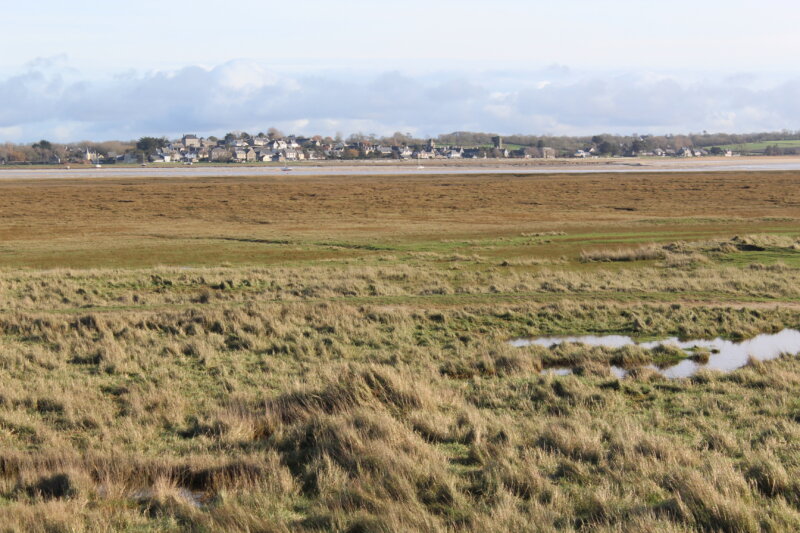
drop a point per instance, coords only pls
(331, 353)
(759, 147)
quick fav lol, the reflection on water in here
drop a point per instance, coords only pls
(725, 355)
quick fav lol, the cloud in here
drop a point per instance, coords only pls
(49, 99)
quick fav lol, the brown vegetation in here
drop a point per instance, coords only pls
(348, 368)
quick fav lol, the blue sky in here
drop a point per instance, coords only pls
(100, 70)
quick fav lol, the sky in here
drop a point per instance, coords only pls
(97, 70)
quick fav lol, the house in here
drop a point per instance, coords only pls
(277, 144)
(128, 159)
(582, 154)
(365, 147)
(265, 154)
(424, 154)
(244, 155)
(293, 155)
(191, 141)
(455, 153)
(305, 142)
(384, 151)
(404, 152)
(548, 153)
(219, 153)
(338, 150)
(190, 157)
(685, 152)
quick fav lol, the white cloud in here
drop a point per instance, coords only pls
(49, 99)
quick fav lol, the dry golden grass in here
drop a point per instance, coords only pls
(330, 354)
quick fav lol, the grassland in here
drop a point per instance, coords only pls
(330, 353)
(759, 147)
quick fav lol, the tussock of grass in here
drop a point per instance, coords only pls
(644, 253)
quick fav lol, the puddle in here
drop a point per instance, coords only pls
(725, 355)
(195, 498)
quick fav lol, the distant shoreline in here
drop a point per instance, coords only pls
(406, 167)
(646, 163)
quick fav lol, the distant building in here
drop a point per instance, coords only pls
(219, 154)
(404, 152)
(497, 142)
(191, 141)
(384, 151)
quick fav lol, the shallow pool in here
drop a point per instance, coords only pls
(725, 356)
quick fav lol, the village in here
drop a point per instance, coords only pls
(192, 149)
(274, 147)
(263, 148)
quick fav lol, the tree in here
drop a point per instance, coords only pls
(608, 148)
(150, 145)
(355, 138)
(43, 145)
